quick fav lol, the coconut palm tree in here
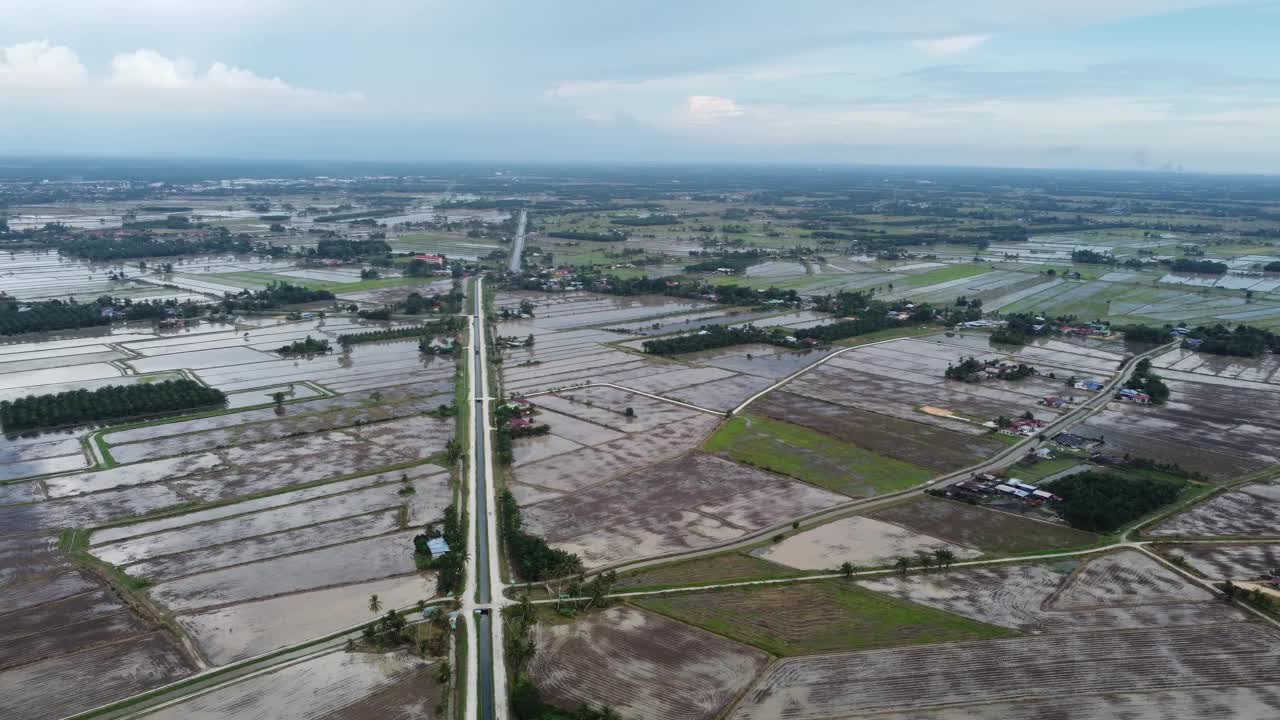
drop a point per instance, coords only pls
(903, 564)
(944, 557)
(375, 605)
(847, 569)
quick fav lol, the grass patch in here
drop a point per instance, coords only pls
(728, 567)
(888, 334)
(818, 617)
(811, 456)
(943, 274)
(1044, 468)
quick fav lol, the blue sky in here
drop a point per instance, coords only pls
(1120, 84)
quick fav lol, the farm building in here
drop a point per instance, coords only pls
(437, 547)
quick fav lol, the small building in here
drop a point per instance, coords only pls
(437, 547)
(1005, 489)
(1021, 485)
(1046, 496)
(1053, 402)
(430, 259)
(520, 423)
(1090, 385)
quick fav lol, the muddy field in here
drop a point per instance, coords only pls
(607, 407)
(641, 664)
(334, 685)
(1227, 562)
(249, 629)
(920, 443)
(1077, 665)
(859, 540)
(98, 675)
(1249, 511)
(1261, 702)
(1120, 590)
(899, 378)
(1219, 430)
(975, 527)
(368, 559)
(586, 467)
(691, 501)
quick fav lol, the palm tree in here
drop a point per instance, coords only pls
(375, 605)
(925, 559)
(944, 557)
(903, 564)
(846, 569)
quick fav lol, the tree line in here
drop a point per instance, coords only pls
(275, 295)
(308, 346)
(112, 402)
(446, 326)
(532, 557)
(1243, 341)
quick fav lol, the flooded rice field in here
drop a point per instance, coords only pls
(315, 688)
(1229, 561)
(337, 482)
(1087, 667)
(642, 665)
(236, 632)
(862, 541)
(1245, 512)
(687, 502)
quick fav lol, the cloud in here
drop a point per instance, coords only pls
(150, 69)
(953, 45)
(40, 65)
(710, 110)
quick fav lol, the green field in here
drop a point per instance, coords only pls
(943, 274)
(818, 617)
(813, 457)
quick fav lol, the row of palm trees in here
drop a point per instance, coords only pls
(925, 559)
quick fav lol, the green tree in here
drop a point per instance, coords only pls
(375, 605)
(847, 570)
(944, 557)
(902, 564)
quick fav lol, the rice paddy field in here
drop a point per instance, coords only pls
(206, 539)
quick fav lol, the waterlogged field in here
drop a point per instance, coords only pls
(573, 343)
(1087, 667)
(252, 528)
(641, 664)
(334, 685)
(692, 501)
(976, 527)
(863, 541)
(1251, 511)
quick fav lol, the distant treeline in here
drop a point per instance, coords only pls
(357, 215)
(99, 249)
(350, 249)
(48, 315)
(1208, 267)
(611, 236)
(1244, 341)
(275, 295)
(446, 326)
(646, 220)
(112, 402)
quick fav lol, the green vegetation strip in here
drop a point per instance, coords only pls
(818, 617)
(813, 457)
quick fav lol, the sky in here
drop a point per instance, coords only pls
(1190, 85)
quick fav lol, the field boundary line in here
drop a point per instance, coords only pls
(691, 406)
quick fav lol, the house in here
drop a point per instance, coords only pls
(430, 259)
(1194, 343)
(1044, 453)
(1053, 402)
(437, 547)
(1134, 396)
(520, 423)
(1046, 496)
(1015, 483)
(1090, 385)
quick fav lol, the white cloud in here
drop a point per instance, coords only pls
(40, 65)
(709, 109)
(953, 45)
(150, 69)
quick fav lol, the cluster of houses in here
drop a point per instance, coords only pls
(1025, 427)
(521, 412)
(1133, 396)
(987, 485)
